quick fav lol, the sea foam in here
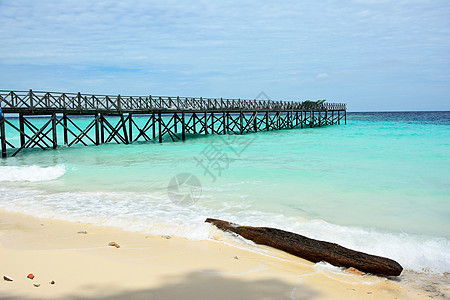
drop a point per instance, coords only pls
(31, 173)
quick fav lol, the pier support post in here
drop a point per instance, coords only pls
(255, 121)
(97, 130)
(205, 126)
(194, 122)
(291, 119)
(153, 126)
(302, 119)
(183, 127)
(267, 121)
(160, 127)
(3, 136)
(278, 115)
(241, 122)
(130, 128)
(224, 130)
(102, 129)
(124, 128)
(66, 136)
(226, 124)
(345, 115)
(54, 136)
(175, 121)
(22, 130)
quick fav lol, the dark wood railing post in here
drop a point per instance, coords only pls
(31, 99)
(119, 105)
(79, 102)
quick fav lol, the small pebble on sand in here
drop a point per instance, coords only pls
(82, 232)
(166, 237)
(354, 271)
(36, 284)
(114, 244)
(6, 278)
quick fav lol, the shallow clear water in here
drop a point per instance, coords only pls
(380, 184)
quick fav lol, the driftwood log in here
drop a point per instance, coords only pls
(313, 250)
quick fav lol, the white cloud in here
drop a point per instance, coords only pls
(322, 76)
(273, 45)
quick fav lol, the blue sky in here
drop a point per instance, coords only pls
(373, 55)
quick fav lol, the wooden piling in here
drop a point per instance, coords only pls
(130, 127)
(153, 126)
(241, 122)
(22, 130)
(102, 128)
(3, 136)
(160, 127)
(205, 124)
(54, 136)
(183, 127)
(97, 129)
(66, 136)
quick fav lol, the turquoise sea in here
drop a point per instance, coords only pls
(380, 184)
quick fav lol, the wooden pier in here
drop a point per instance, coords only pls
(48, 119)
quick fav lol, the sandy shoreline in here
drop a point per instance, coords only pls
(82, 265)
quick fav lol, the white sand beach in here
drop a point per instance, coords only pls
(77, 258)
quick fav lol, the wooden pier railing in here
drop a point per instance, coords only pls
(16, 101)
(127, 119)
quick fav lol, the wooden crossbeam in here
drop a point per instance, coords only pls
(36, 138)
(113, 131)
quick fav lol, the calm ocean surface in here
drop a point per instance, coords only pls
(380, 184)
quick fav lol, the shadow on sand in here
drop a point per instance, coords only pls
(204, 285)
